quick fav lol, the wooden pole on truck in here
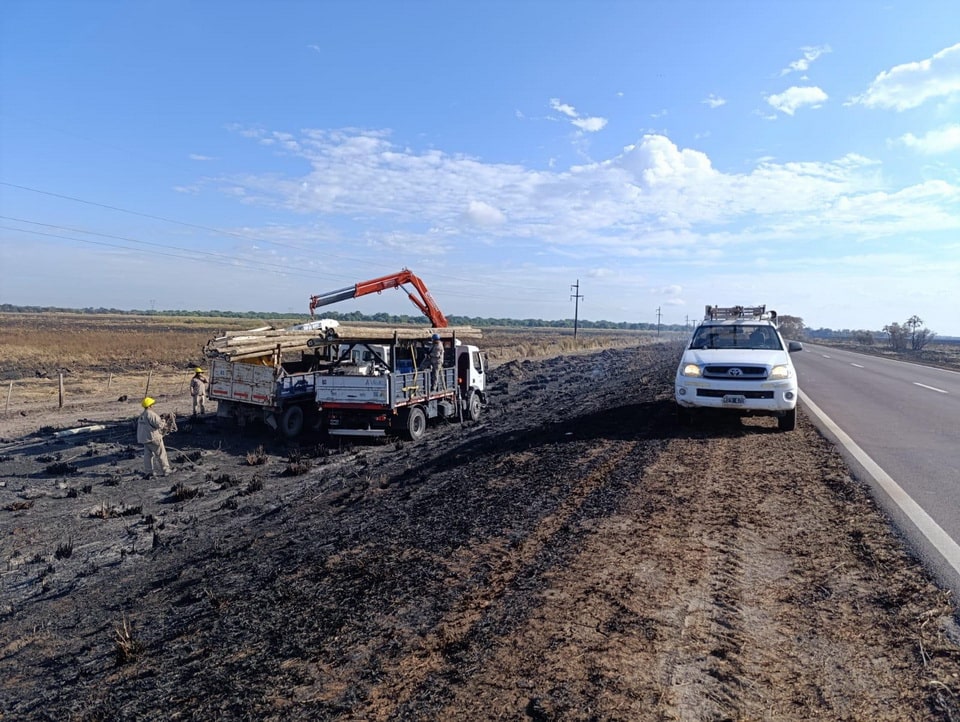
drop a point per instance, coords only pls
(146, 391)
(109, 380)
(9, 392)
(60, 376)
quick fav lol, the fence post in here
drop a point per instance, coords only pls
(109, 381)
(146, 391)
(9, 391)
(60, 377)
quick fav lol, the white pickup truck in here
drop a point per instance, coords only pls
(737, 362)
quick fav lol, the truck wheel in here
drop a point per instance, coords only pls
(416, 424)
(684, 416)
(788, 422)
(473, 406)
(291, 423)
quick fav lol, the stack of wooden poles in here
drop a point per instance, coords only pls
(267, 341)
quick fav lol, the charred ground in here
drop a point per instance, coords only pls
(574, 555)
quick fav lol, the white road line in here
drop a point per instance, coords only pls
(824, 355)
(857, 365)
(934, 533)
(932, 388)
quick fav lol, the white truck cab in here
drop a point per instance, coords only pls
(737, 361)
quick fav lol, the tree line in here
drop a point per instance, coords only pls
(357, 317)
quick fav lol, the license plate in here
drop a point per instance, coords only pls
(734, 400)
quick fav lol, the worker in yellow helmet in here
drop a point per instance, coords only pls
(150, 435)
(198, 390)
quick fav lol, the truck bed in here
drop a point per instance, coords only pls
(392, 390)
(256, 384)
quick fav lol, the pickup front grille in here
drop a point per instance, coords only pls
(719, 394)
(735, 372)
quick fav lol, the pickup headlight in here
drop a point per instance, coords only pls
(691, 370)
(780, 372)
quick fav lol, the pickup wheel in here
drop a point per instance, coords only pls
(473, 406)
(416, 424)
(684, 416)
(787, 422)
(291, 422)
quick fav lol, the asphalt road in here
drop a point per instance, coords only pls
(906, 417)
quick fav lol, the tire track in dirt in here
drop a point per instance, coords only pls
(695, 600)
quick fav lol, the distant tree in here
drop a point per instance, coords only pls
(919, 336)
(791, 327)
(897, 336)
(864, 338)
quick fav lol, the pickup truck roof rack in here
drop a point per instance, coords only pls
(732, 313)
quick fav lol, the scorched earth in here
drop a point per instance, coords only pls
(574, 555)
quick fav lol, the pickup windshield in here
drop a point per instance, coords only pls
(741, 336)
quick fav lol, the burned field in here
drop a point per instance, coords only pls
(573, 555)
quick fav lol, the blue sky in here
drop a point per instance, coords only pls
(666, 155)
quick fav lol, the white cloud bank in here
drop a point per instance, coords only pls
(714, 101)
(911, 84)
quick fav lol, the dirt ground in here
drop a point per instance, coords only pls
(574, 555)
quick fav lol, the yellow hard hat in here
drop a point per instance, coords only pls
(198, 370)
(147, 402)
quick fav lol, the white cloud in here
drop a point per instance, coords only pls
(483, 214)
(912, 84)
(794, 98)
(567, 110)
(197, 156)
(590, 125)
(934, 142)
(714, 101)
(586, 124)
(810, 54)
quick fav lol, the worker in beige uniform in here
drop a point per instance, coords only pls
(198, 390)
(435, 359)
(150, 435)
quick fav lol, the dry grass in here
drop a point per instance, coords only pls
(126, 647)
(106, 357)
(49, 342)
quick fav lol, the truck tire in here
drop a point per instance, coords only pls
(473, 406)
(291, 422)
(684, 416)
(416, 424)
(787, 422)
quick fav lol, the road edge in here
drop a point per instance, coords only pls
(934, 546)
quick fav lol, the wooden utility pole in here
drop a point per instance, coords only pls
(576, 305)
(658, 320)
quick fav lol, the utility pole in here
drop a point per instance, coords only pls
(658, 320)
(576, 305)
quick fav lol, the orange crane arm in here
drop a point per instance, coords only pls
(424, 302)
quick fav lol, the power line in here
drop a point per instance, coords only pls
(235, 234)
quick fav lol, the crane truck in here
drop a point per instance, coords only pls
(399, 395)
(264, 384)
(395, 394)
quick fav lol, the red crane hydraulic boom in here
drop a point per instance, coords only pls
(425, 302)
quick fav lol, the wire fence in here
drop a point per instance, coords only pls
(68, 390)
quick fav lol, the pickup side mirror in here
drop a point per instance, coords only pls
(794, 346)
